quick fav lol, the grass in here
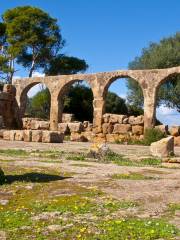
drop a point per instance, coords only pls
(13, 152)
(122, 229)
(122, 161)
(132, 176)
(76, 157)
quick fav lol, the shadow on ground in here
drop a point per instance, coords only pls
(33, 177)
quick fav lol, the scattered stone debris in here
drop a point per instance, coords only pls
(98, 151)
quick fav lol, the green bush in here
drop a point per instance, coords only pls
(152, 135)
(2, 177)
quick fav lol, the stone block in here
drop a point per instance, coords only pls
(106, 117)
(137, 129)
(27, 134)
(26, 123)
(125, 120)
(174, 131)
(52, 137)
(34, 125)
(122, 128)
(112, 138)
(99, 138)
(88, 135)
(12, 134)
(139, 120)
(36, 136)
(19, 135)
(76, 127)
(107, 128)
(162, 128)
(6, 135)
(116, 118)
(63, 128)
(78, 137)
(44, 125)
(68, 117)
(163, 148)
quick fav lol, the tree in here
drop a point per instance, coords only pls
(115, 104)
(164, 54)
(7, 57)
(79, 101)
(33, 35)
(39, 105)
(62, 64)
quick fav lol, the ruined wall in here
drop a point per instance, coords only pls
(9, 110)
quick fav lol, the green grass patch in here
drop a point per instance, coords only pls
(13, 152)
(132, 176)
(122, 161)
(135, 229)
(76, 157)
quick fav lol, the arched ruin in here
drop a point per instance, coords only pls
(149, 80)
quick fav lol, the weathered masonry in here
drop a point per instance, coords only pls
(149, 80)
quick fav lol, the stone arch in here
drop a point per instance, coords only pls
(114, 78)
(24, 92)
(168, 118)
(64, 90)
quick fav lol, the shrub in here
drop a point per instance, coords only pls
(152, 135)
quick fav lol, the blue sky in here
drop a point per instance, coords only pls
(108, 34)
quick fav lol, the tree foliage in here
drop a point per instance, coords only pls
(115, 104)
(62, 64)
(39, 105)
(33, 35)
(164, 54)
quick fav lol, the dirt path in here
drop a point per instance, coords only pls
(133, 150)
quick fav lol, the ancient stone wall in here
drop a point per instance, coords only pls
(115, 129)
(9, 110)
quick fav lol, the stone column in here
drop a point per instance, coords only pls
(54, 114)
(149, 107)
(98, 105)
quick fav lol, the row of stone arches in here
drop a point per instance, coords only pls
(149, 81)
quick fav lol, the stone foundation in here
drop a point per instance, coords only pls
(115, 128)
(33, 136)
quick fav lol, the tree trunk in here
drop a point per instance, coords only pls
(32, 69)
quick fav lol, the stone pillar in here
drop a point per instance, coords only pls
(98, 105)
(54, 114)
(149, 108)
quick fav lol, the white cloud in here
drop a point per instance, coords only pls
(123, 95)
(16, 77)
(168, 116)
(38, 74)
